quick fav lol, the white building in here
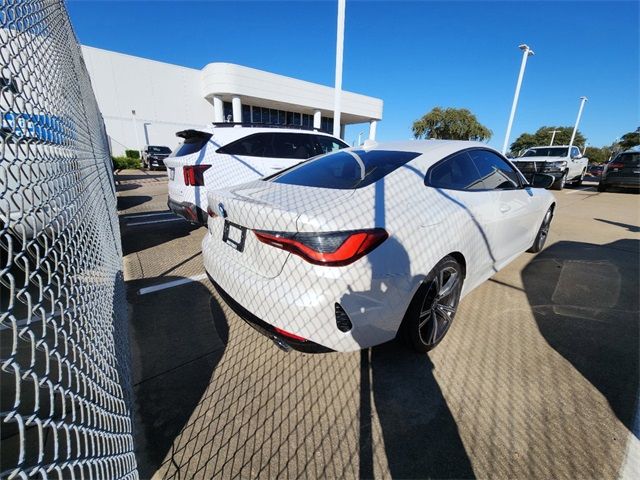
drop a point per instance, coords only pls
(145, 102)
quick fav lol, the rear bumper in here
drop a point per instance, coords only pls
(266, 329)
(629, 182)
(188, 211)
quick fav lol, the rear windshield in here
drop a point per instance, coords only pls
(345, 170)
(191, 144)
(162, 150)
(628, 159)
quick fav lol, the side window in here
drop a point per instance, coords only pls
(456, 173)
(256, 145)
(575, 152)
(293, 145)
(496, 173)
(325, 144)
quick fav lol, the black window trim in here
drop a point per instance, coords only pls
(522, 182)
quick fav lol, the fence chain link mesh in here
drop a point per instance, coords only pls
(66, 392)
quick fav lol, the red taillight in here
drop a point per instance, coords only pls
(333, 249)
(615, 165)
(194, 175)
(211, 213)
(290, 335)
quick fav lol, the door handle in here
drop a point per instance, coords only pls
(505, 208)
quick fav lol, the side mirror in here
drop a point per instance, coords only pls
(542, 180)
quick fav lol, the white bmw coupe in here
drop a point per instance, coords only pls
(349, 249)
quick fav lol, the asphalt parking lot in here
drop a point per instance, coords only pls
(538, 376)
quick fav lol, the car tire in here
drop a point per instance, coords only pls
(560, 183)
(433, 307)
(602, 187)
(543, 233)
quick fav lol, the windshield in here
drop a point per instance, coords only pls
(153, 149)
(546, 152)
(346, 169)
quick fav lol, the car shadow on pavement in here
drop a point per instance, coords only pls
(421, 438)
(130, 201)
(178, 336)
(140, 238)
(585, 301)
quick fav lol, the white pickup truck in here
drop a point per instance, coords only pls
(554, 161)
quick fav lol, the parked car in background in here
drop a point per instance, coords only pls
(622, 171)
(228, 154)
(348, 249)
(595, 170)
(554, 161)
(153, 156)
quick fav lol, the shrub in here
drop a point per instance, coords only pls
(132, 153)
(122, 163)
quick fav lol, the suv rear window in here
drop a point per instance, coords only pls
(193, 142)
(628, 159)
(282, 145)
(345, 170)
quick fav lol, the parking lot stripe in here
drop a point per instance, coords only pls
(168, 212)
(171, 284)
(133, 224)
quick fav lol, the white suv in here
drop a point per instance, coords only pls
(228, 154)
(556, 161)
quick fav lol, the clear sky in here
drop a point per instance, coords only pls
(413, 55)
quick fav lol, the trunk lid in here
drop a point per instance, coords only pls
(267, 206)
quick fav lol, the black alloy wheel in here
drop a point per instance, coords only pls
(434, 306)
(543, 233)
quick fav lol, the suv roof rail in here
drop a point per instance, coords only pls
(265, 125)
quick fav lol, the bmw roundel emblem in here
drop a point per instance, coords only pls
(222, 211)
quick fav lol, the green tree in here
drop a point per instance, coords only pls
(598, 155)
(450, 124)
(543, 137)
(629, 140)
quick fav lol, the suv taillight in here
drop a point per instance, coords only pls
(194, 175)
(615, 165)
(332, 249)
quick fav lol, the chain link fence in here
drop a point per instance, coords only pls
(66, 393)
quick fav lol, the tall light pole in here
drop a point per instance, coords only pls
(338, 83)
(526, 53)
(553, 136)
(583, 100)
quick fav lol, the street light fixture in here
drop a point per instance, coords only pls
(526, 53)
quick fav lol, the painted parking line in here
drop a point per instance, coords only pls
(141, 215)
(171, 284)
(175, 219)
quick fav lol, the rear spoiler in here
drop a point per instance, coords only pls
(193, 134)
